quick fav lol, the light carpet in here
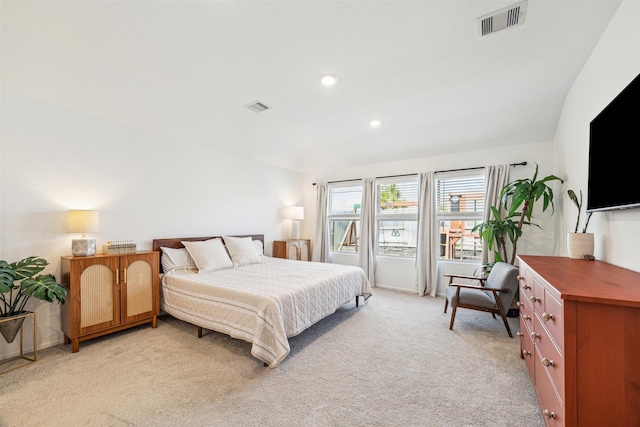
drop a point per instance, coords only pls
(391, 362)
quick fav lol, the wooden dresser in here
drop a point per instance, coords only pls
(108, 293)
(580, 338)
(299, 249)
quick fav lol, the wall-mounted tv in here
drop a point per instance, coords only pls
(614, 165)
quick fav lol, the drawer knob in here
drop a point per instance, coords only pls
(526, 317)
(526, 287)
(518, 304)
(534, 299)
(520, 334)
(526, 353)
(520, 277)
(547, 362)
(548, 414)
(547, 316)
(534, 335)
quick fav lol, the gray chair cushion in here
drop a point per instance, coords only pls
(471, 296)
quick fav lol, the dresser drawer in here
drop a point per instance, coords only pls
(528, 350)
(550, 358)
(551, 408)
(526, 317)
(526, 285)
(537, 298)
(552, 319)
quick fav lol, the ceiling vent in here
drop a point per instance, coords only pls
(504, 18)
(257, 106)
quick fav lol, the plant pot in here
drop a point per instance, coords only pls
(9, 327)
(579, 245)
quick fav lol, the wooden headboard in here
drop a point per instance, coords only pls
(176, 242)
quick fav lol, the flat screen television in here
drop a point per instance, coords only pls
(614, 165)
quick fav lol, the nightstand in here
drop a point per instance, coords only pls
(298, 249)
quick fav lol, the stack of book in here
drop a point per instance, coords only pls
(119, 247)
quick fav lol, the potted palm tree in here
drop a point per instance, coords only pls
(579, 245)
(18, 283)
(519, 197)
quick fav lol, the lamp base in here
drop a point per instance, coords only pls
(295, 230)
(83, 247)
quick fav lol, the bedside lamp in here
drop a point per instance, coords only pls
(83, 222)
(295, 214)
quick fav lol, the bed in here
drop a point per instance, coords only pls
(265, 301)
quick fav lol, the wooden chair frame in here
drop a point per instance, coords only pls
(498, 310)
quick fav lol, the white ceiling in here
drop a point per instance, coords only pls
(185, 69)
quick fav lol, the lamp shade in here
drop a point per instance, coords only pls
(80, 221)
(295, 213)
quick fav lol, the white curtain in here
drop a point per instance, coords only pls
(427, 254)
(321, 244)
(367, 253)
(496, 177)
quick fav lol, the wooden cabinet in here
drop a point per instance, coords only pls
(299, 249)
(108, 293)
(579, 323)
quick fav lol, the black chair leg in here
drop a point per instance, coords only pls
(506, 324)
(454, 306)
(453, 315)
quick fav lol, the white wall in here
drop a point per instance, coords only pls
(400, 273)
(144, 185)
(615, 61)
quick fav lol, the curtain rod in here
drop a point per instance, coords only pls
(410, 174)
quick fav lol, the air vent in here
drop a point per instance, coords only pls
(504, 18)
(257, 106)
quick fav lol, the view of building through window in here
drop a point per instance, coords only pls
(460, 205)
(460, 198)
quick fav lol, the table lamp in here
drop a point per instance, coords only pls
(81, 221)
(295, 214)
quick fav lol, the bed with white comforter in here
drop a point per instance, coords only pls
(262, 303)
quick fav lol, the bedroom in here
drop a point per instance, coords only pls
(68, 142)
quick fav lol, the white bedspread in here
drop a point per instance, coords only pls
(264, 303)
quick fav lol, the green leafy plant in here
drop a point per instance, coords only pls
(18, 283)
(496, 231)
(519, 197)
(578, 203)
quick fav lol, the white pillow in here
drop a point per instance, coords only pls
(259, 247)
(209, 255)
(172, 258)
(242, 250)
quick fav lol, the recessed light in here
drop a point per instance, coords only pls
(328, 80)
(375, 123)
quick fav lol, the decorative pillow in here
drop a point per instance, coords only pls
(172, 258)
(242, 250)
(259, 247)
(209, 255)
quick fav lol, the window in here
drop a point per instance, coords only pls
(344, 217)
(460, 208)
(397, 216)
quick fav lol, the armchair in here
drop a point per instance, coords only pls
(493, 294)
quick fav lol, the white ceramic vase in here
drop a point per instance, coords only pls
(579, 244)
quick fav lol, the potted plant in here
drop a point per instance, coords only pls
(579, 245)
(519, 194)
(18, 283)
(495, 232)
